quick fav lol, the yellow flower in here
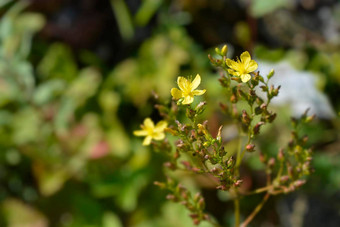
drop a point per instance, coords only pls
(243, 67)
(151, 131)
(187, 89)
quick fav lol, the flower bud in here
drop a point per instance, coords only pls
(196, 170)
(271, 74)
(284, 179)
(263, 106)
(258, 110)
(275, 92)
(200, 107)
(250, 147)
(245, 117)
(212, 60)
(280, 155)
(179, 143)
(224, 107)
(203, 129)
(262, 157)
(170, 130)
(218, 136)
(238, 183)
(224, 81)
(305, 139)
(196, 221)
(259, 101)
(171, 197)
(159, 184)
(170, 165)
(187, 165)
(233, 98)
(201, 203)
(237, 79)
(256, 128)
(290, 170)
(241, 93)
(256, 79)
(299, 183)
(190, 113)
(264, 88)
(271, 162)
(230, 163)
(224, 50)
(214, 170)
(298, 149)
(271, 117)
(310, 118)
(197, 196)
(222, 187)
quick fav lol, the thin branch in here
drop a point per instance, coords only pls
(255, 211)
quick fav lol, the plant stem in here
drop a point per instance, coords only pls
(259, 190)
(237, 211)
(238, 155)
(255, 211)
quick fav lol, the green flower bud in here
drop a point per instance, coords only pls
(271, 74)
(224, 50)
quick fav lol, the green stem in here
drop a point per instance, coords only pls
(237, 211)
(260, 190)
(255, 211)
(238, 155)
(240, 152)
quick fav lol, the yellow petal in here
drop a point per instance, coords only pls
(188, 99)
(140, 133)
(196, 82)
(182, 83)
(176, 93)
(233, 72)
(231, 64)
(147, 141)
(252, 66)
(159, 136)
(160, 126)
(245, 57)
(148, 123)
(198, 92)
(245, 77)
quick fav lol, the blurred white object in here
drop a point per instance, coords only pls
(298, 90)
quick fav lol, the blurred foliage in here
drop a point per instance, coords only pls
(68, 157)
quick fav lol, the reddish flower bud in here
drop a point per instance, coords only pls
(256, 128)
(280, 155)
(284, 179)
(271, 162)
(250, 147)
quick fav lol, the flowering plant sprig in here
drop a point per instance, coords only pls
(199, 152)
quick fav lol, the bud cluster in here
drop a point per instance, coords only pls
(194, 203)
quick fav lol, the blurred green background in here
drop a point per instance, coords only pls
(77, 77)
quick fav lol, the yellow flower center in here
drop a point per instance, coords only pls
(187, 89)
(242, 69)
